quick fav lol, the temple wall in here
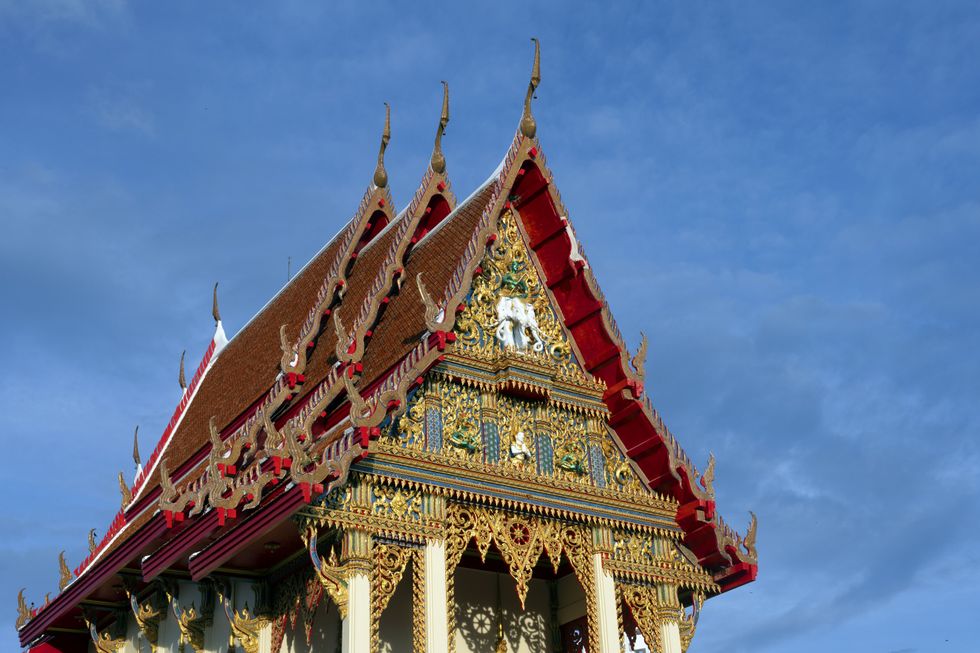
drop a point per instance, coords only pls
(571, 599)
(326, 632)
(169, 634)
(527, 631)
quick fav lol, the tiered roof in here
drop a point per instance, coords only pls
(307, 381)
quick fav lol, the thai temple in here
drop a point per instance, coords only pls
(433, 439)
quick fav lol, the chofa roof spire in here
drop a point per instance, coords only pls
(438, 162)
(380, 175)
(220, 339)
(136, 448)
(181, 379)
(528, 127)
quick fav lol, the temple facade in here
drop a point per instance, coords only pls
(432, 439)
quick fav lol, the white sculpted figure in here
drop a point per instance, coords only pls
(517, 325)
(518, 448)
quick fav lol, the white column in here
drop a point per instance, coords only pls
(605, 588)
(670, 633)
(357, 626)
(436, 613)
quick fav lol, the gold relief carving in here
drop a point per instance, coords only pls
(646, 610)
(689, 621)
(461, 420)
(296, 598)
(397, 504)
(518, 443)
(332, 575)
(418, 600)
(245, 627)
(190, 624)
(647, 558)
(410, 430)
(473, 472)
(147, 619)
(570, 437)
(633, 548)
(387, 570)
(521, 540)
(571, 457)
(507, 273)
(104, 642)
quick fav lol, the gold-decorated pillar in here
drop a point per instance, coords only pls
(436, 588)
(670, 615)
(436, 609)
(607, 616)
(356, 627)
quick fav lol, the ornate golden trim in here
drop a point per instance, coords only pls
(104, 642)
(387, 569)
(190, 624)
(147, 619)
(332, 575)
(244, 627)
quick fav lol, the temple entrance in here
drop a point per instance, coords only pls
(489, 616)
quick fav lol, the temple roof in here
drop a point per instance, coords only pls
(347, 336)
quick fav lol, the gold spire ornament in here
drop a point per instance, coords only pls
(91, 541)
(380, 175)
(749, 541)
(640, 358)
(214, 305)
(64, 576)
(136, 446)
(127, 495)
(181, 379)
(23, 613)
(528, 127)
(438, 162)
(708, 478)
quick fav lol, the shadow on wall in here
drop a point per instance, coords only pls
(479, 625)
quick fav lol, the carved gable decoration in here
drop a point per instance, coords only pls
(510, 397)
(509, 312)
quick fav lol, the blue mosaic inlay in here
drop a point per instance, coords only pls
(546, 456)
(433, 429)
(491, 442)
(597, 465)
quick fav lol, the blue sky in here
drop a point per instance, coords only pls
(784, 197)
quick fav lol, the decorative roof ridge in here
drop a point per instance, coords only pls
(215, 347)
(335, 281)
(690, 482)
(390, 273)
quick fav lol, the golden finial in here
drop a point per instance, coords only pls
(438, 162)
(91, 541)
(65, 573)
(749, 541)
(639, 359)
(127, 494)
(380, 175)
(23, 613)
(136, 446)
(528, 127)
(180, 378)
(214, 305)
(708, 478)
